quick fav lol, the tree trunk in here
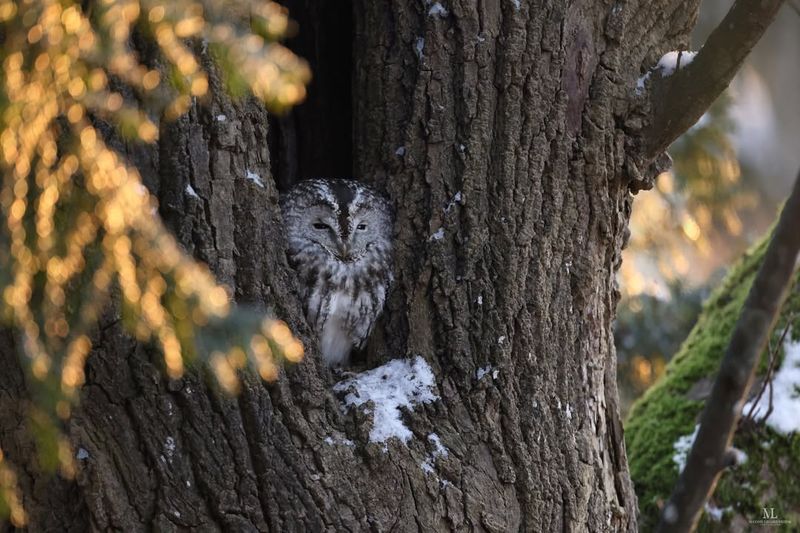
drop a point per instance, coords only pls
(505, 128)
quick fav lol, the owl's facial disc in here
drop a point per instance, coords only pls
(325, 232)
(344, 226)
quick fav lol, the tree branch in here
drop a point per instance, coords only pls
(723, 409)
(680, 99)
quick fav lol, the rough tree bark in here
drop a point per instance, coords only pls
(513, 127)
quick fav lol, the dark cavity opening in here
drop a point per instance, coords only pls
(315, 139)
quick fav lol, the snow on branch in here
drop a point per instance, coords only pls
(681, 99)
(675, 60)
(666, 66)
(710, 453)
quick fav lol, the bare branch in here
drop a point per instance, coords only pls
(723, 408)
(773, 357)
(680, 100)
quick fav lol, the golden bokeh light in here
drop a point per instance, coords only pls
(76, 218)
(10, 493)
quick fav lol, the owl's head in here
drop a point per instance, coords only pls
(343, 218)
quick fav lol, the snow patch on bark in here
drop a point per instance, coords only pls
(682, 447)
(331, 441)
(438, 236)
(457, 199)
(169, 447)
(642, 81)
(255, 178)
(419, 46)
(437, 9)
(482, 372)
(400, 383)
(441, 450)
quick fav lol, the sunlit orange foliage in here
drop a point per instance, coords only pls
(76, 219)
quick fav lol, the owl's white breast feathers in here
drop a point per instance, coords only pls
(335, 339)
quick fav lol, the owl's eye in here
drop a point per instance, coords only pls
(361, 226)
(321, 226)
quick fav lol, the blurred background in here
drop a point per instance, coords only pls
(731, 172)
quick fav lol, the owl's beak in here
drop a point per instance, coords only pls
(344, 251)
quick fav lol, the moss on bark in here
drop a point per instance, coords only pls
(671, 408)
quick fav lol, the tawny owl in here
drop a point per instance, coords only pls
(339, 237)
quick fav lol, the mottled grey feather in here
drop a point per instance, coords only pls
(339, 238)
